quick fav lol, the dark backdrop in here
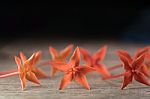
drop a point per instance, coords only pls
(77, 20)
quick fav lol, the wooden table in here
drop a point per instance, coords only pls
(10, 87)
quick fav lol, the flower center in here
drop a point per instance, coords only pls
(133, 71)
(74, 69)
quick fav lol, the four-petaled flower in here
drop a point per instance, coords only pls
(27, 70)
(37, 71)
(56, 56)
(133, 68)
(73, 71)
(139, 52)
(93, 61)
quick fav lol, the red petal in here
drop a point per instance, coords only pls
(30, 61)
(53, 71)
(125, 62)
(66, 52)
(86, 56)
(141, 52)
(81, 79)
(100, 54)
(39, 73)
(44, 63)
(31, 77)
(66, 80)
(18, 62)
(147, 56)
(53, 52)
(141, 78)
(60, 66)
(125, 54)
(127, 79)
(85, 69)
(23, 57)
(37, 57)
(145, 71)
(75, 58)
(102, 70)
(138, 62)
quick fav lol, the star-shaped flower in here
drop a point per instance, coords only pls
(56, 56)
(93, 61)
(133, 68)
(27, 70)
(138, 53)
(38, 72)
(73, 71)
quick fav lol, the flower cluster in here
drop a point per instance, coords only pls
(135, 67)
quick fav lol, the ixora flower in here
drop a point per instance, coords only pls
(133, 68)
(56, 56)
(139, 52)
(27, 69)
(93, 61)
(73, 71)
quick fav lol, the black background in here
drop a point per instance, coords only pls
(68, 19)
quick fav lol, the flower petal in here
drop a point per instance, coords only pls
(61, 66)
(37, 57)
(102, 70)
(140, 77)
(86, 56)
(53, 71)
(85, 69)
(75, 58)
(100, 54)
(81, 79)
(32, 77)
(66, 52)
(125, 62)
(145, 71)
(141, 52)
(125, 54)
(66, 80)
(39, 73)
(138, 62)
(18, 62)
(53, 52)
(23, 57)
(30, 61)
(127, 79)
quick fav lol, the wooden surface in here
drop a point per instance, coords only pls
(10, 87)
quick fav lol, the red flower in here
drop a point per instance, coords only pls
(139, 52)
(73, 71)
(56, 56)
(133, 68)
(26, 69)
(93, 61)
